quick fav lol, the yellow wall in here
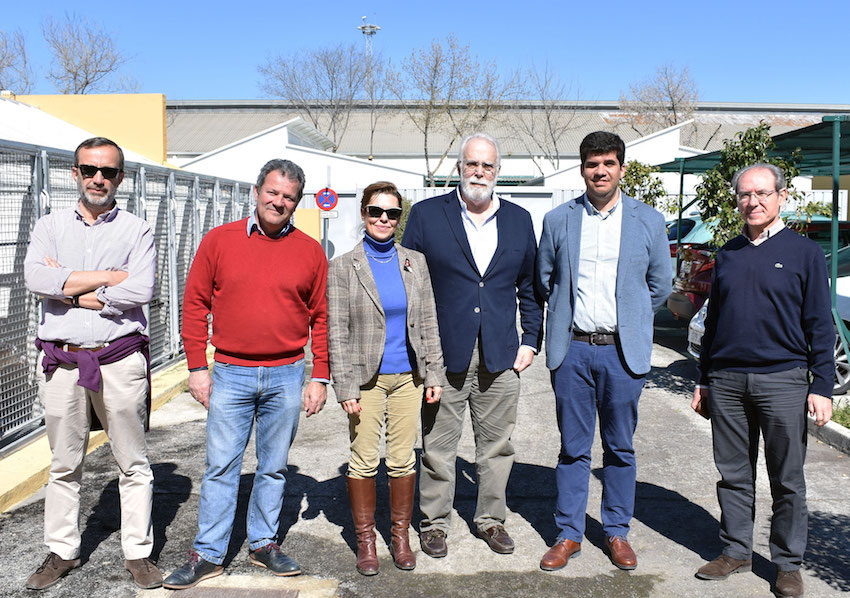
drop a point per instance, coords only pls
(308, 221)
(825, 182)
(133, 121)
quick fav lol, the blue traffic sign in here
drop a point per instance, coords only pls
(326, 199)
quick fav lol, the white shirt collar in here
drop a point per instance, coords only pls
(767, 233)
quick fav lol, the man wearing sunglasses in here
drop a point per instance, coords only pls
(480, 251)
(93, 265)
(264, 283)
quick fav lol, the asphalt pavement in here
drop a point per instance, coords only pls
(674, 531)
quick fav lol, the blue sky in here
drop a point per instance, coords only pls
(743, 51)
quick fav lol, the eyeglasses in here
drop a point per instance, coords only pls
(377, 211)
(470, 167)
(759, 195)
(89, 171)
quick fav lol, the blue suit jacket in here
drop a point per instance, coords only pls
(643, 278)
(468, 302)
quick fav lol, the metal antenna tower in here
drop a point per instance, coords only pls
(368, 30)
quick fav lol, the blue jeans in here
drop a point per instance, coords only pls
(240, 394)
(591, 380)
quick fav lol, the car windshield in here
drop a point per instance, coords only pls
(843, 262)
(673, 225)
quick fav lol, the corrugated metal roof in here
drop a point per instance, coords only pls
(195, 128)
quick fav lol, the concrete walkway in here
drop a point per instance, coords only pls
(674, 530)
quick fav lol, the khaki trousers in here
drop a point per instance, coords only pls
(492, 398)
(394, 399)
(120, 406)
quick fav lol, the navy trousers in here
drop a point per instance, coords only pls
(593, 379)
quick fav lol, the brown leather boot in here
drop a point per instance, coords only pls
(361, 495)
(401, 510)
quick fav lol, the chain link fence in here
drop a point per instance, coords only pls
(179, 206)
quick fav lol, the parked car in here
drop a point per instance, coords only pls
(692, 282)
(694, 232)
(696, 328)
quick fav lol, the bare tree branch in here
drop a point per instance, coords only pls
(15, 71)
(376, 91)
(541, 127)
(661, 101)
(84, 56)
(322, 85)
(445, 89)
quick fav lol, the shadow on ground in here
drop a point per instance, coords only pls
(826, 554)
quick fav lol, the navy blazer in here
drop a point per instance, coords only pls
(643, 278)
(469, 303)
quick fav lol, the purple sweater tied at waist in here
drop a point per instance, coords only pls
(88, 362)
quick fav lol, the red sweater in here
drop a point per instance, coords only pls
(266, 296)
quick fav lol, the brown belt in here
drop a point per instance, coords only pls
(76, 348)
(595, 338)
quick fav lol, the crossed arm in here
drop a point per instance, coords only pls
(83, 283)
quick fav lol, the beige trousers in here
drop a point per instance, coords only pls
(120, 406)
(394, 399)
(492, 398)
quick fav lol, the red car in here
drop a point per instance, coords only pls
(696, 265)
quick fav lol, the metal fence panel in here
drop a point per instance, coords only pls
(156, 213)
(180, 207)
(185, 224)
(19, 409)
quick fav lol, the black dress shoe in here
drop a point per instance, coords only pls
(270, 557)
(192, 573)
(433, 543)
(498, 539)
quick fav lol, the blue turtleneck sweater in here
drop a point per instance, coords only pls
(383, 260)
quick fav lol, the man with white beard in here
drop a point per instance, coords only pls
(480, 251)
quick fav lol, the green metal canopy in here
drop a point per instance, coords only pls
(825, 151)
(815, 142)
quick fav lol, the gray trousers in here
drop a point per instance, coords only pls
(492, 399)
(743, 406)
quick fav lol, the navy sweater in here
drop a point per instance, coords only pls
(769, 310)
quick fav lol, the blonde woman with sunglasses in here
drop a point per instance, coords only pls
(385, 354)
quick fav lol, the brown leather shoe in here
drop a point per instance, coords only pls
(144, 572)
(724, 566)
(621, 553)
(433, 543)
(789, 583)
(498, 539)
(401, 510)
(361, 495)
(51, 570)
(559, 555)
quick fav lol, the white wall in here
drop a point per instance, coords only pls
(243, 160)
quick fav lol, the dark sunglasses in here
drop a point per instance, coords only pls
(377, 211)
(89, 171)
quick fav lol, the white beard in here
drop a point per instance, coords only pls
(476, 195)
